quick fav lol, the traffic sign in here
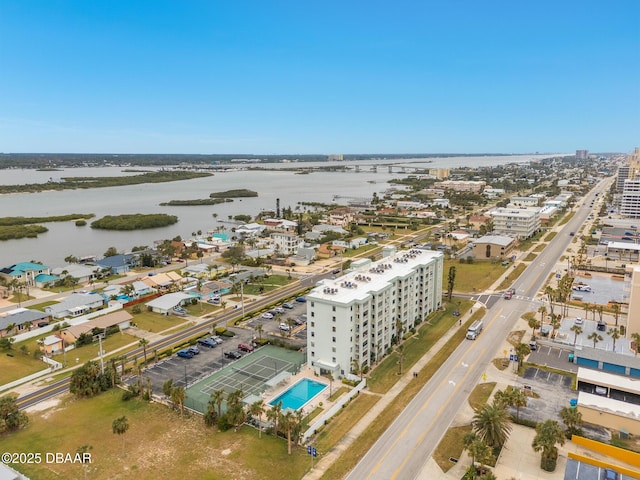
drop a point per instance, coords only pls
(315, 452)
(309, 449)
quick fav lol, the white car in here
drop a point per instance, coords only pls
(579, 321)
(284, 327)
(267, 316)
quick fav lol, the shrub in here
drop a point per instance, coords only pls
(548, 462)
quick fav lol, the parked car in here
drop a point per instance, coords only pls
(278, 310)
(335, 271)
(217, 339)
(185, 353)
(267, 316)
(301, 299)
(207, 342)
(233, 355)
(456, 313)
(533, 345)
(287, 305)
(193, 349)
(245, 347)
(284, 327)
(579, 321)
(300, 321)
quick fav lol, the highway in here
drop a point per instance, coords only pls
(287, 291)
(404, 449)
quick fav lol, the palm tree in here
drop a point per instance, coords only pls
(534, 323)
(235, 408)
(636, 340)
(177, 397)
(356, 368)
(555, 324)
(256, 409)
(614, 333)
(274, 415)
(143, 343)
(259, 329)
(542, 310)
(522, 350)
(548, 434)
(491, 423)
(616, 311)
(481, 452)
(329, 375)
(550, 293)
(217, 397)
(288, 423)
(595, 337)
(572, 419)
(290, 323)
(120, 427)
(517, 398)
(577, 330)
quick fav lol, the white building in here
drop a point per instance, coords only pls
(493, 192)
(356, 317)
(630, 207)
(286, 243)
(516, 222)
(524, 202)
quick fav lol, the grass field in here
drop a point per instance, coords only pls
(272, 282)
(451, 445)
(530, 257)
(19, 365)
(480, 394)
(158, 444)
(550, 236)
(513, 275)
(540, 247)
(154, 322)
(473, 277)
(385, 375)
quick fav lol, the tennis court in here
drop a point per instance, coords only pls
(253, 374)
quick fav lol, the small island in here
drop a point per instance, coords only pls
(240, 192)
(137, 221)
(14, 228)
(199, 201)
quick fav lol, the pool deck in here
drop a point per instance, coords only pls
(308, 373)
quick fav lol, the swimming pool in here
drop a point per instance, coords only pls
(298, 395)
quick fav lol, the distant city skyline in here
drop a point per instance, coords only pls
(290, 77)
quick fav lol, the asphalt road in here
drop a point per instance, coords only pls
(404, 449)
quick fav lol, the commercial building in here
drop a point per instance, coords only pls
(633, 316)
(357, 317)
(493, 246)
(462, 185)
(582, 154)
(524, 202)
(630, 205)
(516, 222)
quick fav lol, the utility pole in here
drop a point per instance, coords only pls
(101, 357)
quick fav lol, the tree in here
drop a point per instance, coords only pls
(522, 350)
(595, 337)
(542, 310)
(329, 375)
(235, 408)
(614, 333)
(274, 415)
(533, 324)
(89, 380)
(515, 397)
(167, 387)
(11, 418)
(217, 397)
(572, 419)
(288, 424)
(636, 341)
(577, 330)
(259, 329)
(177, 397)
(548, 434)
(491, 423)
(616, 311)
(356, 368)
(143, 343)
(111, 252)
(480, 452)
(256, 409)
(451, 279)
(120, 427)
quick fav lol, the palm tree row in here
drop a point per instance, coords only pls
(288, 421)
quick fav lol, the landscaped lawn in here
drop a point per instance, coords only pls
(451, 445)
(474, 277)
(268, 284)
(513, 275)
(154, 322)
(530, 257)
(540, 247)
(19, 365)
(480, 394)
(159, 444)
(550, 236)
(385, 375)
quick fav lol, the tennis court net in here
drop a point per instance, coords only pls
(250, 374)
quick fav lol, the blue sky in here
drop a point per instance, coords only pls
(285, 77)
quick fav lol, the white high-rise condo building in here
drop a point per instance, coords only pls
(630, 207)
(516, 222)
(353, 320)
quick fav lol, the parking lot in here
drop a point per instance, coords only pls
(186, 371)
(553, 357)
(554, 392)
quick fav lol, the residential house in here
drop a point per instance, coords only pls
(121, 319)
(21, 320)
(341, 216)
(24, 272)
(84, 273)
(167, 303)
(163, 281)
(75, 305)
(250, 229)
(51, 345)
(280, 224)
(286, 243)
(118, 264)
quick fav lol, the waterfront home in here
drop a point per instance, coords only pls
(24, 272)
(84, 273)
(118, 264)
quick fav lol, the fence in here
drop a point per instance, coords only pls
(324, 417)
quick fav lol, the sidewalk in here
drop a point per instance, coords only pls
(332, 455)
